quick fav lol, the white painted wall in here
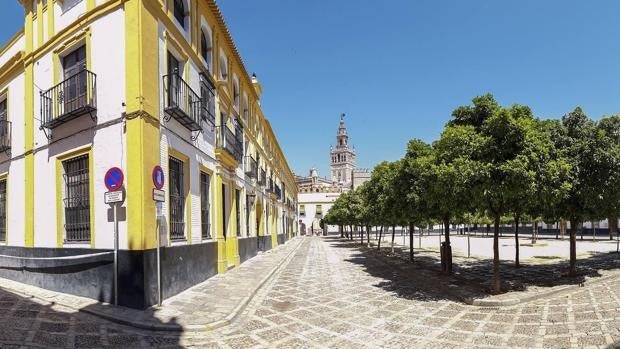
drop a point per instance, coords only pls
(19, 45)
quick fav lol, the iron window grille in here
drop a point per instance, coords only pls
(177, 199)
(3, 210)
(238, 215)
(247, 215)
(205, 206)
(5, 129)
(77, 199)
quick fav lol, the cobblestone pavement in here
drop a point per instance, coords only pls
(332, 296)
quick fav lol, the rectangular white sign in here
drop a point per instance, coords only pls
(159, 195)
(111, 197)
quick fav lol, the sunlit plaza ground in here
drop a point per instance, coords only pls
(545, 248)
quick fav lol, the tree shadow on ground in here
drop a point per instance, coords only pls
(471, 277)
(29, 321)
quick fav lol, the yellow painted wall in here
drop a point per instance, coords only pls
(142, 109)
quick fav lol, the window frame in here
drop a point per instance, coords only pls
(179, 5)
(205, 198)
(238, 211)
(68, 188)
(182, 198)
(4, 209)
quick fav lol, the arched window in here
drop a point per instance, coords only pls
(205, 48)
(223, 67)
(236, 93)
(179, 12)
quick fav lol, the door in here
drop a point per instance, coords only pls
(74, 86)
(174, 68)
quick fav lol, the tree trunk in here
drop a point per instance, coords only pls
(368, 235)
(446, 264)
(361, 235)
(582, 225)
(497, 283)
(351, 229)
(341, 232)
(517, 216)
(612, 223)
(572, 271)
(393, 235)
(411, 230)
(380, 237)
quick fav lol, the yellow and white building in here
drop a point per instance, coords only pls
(92, 84)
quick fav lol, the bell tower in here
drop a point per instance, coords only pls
(342, 159)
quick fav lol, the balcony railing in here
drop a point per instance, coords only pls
(230, 142)
(181, 102)
(75, 96)
(262, 178)
(251, 167)
(5, 134)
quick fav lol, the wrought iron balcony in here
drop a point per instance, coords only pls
(251, 167)
(230, 142)
(75, 96)
(5, 134)
(262, 178)
(181, 102)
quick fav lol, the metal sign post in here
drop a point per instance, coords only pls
(115, 254)
(159, 196)
(113, 180)
(158, 260)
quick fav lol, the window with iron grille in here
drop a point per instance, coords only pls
(225, 223)
(205, 205)
(3, 210)
(238, 216)
(77, 199)
(247, 216)
(319, 210)
(302, 210)
(177, 199)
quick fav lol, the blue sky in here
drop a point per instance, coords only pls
(398, 68)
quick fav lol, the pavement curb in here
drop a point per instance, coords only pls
(163, 327)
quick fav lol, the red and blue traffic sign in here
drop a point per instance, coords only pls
(158, 177)
(113, 179)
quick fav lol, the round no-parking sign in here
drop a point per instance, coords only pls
(113, 179)
(158, 177)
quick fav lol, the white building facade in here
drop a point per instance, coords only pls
(89, 85)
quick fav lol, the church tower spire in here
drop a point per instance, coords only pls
(342, 157)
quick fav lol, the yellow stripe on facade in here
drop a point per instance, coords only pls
(142, 110)
(51, 29)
